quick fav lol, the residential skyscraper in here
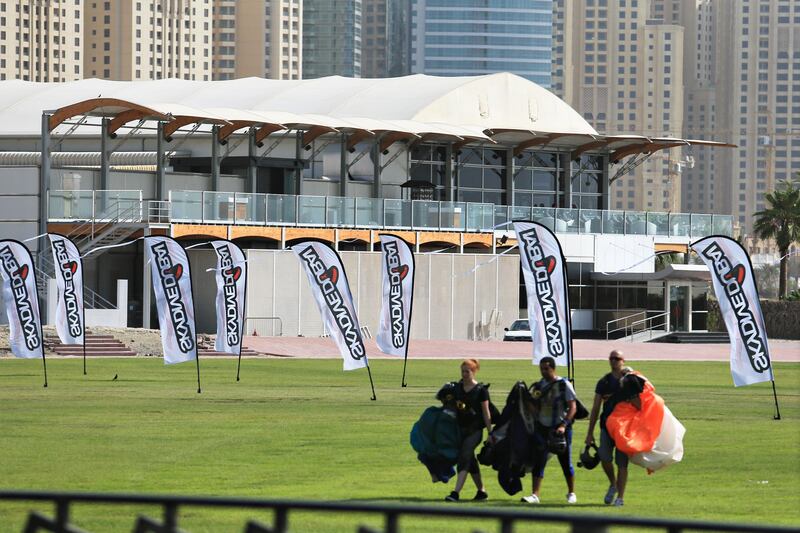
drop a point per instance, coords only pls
(332, 38)
(257, 38)
(622, 70)
(385, 28)
(469, 38)
(758, 98)
(150, 39)
(41, 41)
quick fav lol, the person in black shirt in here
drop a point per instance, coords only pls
(472, 403)
(607, 395)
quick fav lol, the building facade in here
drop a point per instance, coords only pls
(622, 70)
(151, 39)
(468, 38)
(41, 41)
(332, 38)
(758, 99)
(386, 28)
(258, 38)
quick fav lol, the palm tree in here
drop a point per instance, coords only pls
(781, 221)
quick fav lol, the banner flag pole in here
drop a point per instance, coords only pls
(239, 365)
(84, 352)
(371, 383)
(44, 364)
(197, 360)
(405, 360)
(775, 395)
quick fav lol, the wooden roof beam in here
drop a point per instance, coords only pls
(264, 131)
(312, 134)
(87, 106)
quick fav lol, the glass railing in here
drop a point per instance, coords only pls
(333, 211)
(94, 205)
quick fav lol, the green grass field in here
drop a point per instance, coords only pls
(305, 429)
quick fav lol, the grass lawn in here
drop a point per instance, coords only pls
(304, 429)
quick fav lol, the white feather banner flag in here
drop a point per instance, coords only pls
(231, 276)
(331, 291)
(21, 300)
(68, 268)
(172, 284)
(543, 268)
(398, 293)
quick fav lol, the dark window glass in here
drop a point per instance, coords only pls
(493, 178)
(522, 179)
(544, 181)
(470, 156)
(470, 177)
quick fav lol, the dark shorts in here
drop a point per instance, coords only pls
(541, 454)
(607, 447)
(466, 455)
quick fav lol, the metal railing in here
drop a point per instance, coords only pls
(625, 320)
(254, 330)
(647, 326)
(506, 519)
(210, 207)
(635, 324)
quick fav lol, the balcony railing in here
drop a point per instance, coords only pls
(208, 207)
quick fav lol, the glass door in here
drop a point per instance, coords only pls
(679, 309)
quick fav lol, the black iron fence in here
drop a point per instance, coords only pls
(506, 519)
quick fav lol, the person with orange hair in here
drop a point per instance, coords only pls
(471, 400)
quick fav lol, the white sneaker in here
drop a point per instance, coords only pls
(612, 491)
(571, 498)
(618, 502)
(533, 498)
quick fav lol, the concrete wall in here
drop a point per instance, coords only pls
(450, 302)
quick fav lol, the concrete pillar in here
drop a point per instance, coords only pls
(566, 177)
(252, 168)
(104, 160)
(376, 165)
(215, 158)
(343, 166)
(450, 193)
(298, 162)
(44, 174)
(509, 177)
(161, 192)
(146, 284)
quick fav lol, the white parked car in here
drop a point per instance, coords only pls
(520, 330)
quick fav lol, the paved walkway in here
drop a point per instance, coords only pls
(323, 348)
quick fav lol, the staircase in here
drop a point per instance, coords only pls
(205, 347)
(695, 337)
(96, 345)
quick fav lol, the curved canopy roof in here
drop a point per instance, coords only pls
(498, 107)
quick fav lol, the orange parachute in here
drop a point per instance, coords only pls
(650, 435)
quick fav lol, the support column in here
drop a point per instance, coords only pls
(566, 176)
(376, 165)
(343, 166)
(252, 167)
(450, 193)
(146, 284)
(509, 177)
(160, 181)
(298, 162)
(104, 157)
(44, 175)
(215, 158)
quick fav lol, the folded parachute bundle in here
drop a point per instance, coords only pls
(436, 438)
(650, 435)
(511, 452)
